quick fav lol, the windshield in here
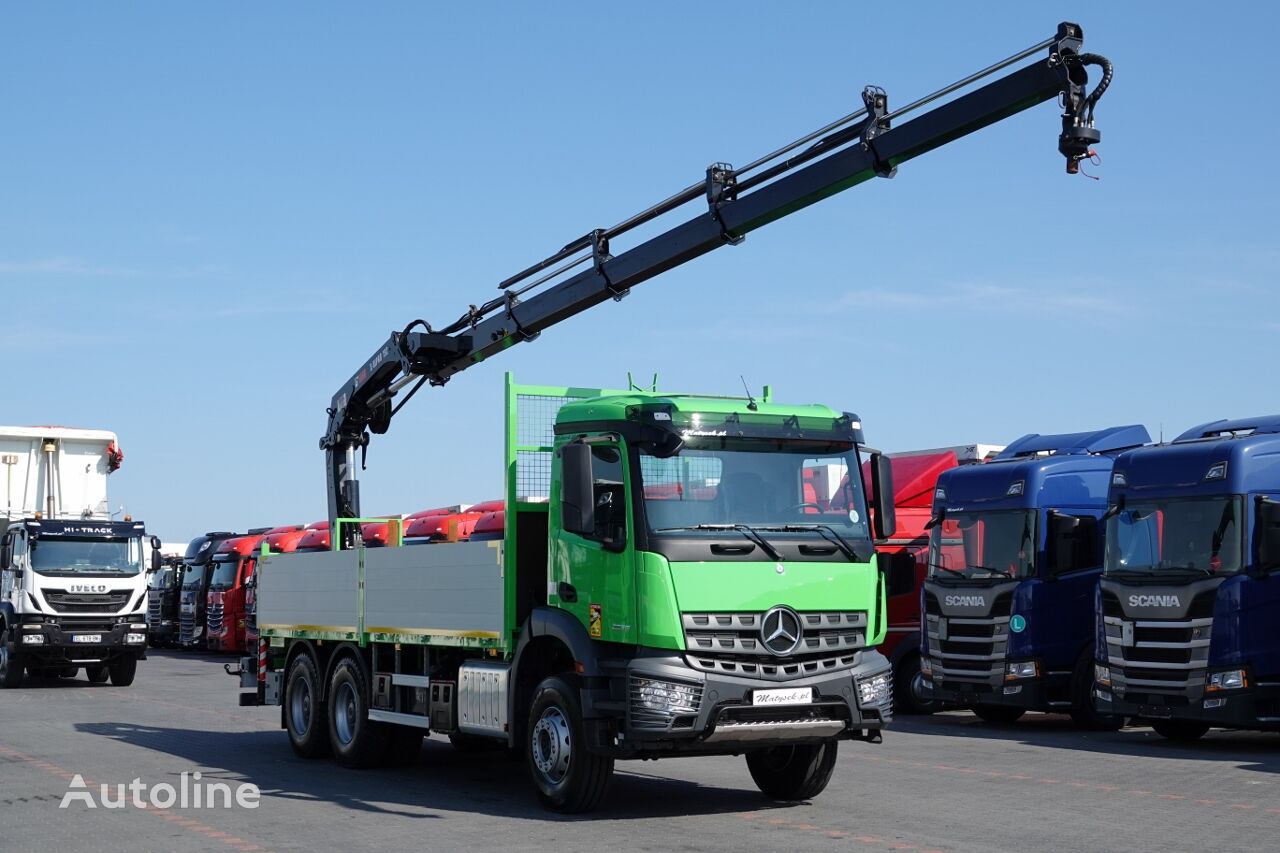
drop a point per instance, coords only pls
(1190, 534)
(193, 577)
(994, 544)
(224, 573)
(68, 555)
(767, 484)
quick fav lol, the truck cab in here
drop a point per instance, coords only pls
(163, 591)
(197, 571)
(490, 526)
(1187, 606)
(233, 566)
(445, 527)
(1015, 552)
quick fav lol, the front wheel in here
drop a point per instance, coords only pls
(1183, 730)
(10, 667)
(1083, 712)
(570, 778)
(998, 713)
(122, 670)
(793, 772)
(96, 674)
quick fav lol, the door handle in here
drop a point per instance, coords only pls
(567, 592)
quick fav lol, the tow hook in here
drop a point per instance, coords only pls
(873, 736)
(236, 672)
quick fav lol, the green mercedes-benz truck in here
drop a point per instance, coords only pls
(670, 583)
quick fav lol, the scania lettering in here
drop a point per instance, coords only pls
(73, 583)
(647, 535)
(1015, 555)
(1187, 603)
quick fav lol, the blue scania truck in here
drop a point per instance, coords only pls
(1015, 553)
(1187, 606)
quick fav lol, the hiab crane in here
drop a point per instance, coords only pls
(665, 584)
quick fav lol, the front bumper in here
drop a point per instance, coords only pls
(1050, 692)
(1251, 708)
(58, 642)
(726, 720)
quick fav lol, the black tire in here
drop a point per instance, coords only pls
(906, 687)
(998, 713)
(306, 717)
(1083, 712)
(68, 672)
(1180, 730)
(356, 741)
(122, 670)
(570, 779)
(10, 666)
(791, 773)
(96, 674)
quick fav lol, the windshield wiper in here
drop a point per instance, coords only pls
(827, 532)
(994, 571)
(746, 531)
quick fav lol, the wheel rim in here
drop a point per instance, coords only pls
(300, 707)
(344, 713)
(552, 747)
(4, 660)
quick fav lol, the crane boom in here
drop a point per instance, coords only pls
(845, 153)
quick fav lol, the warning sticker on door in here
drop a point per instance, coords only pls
(594, 619)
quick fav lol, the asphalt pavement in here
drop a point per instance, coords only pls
(943, 783)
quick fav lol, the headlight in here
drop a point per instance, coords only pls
(135, 638)
(1231, 679)
(875, 689)
(33, 640)
(926, 667)
(670, 697)
(1021, 669)
(1102, 675)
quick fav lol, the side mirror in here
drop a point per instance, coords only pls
(1268, 535)
(886, 520)
(6, 551)
(577, 502)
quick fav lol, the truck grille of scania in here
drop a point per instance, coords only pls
(968, 648)
(214, 617)
(85, 602)
(186, 627)
(1165, 658)
(731, 644)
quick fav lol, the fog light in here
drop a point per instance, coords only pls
(135, 638)
(875, 689)
(1021, 669)
(33, 640)
(1102, 674)
(1215, 703)
(1231, 679)
(1012, 690)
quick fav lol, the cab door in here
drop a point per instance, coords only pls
(592, 575)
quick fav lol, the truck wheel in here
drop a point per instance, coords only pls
(1183, 730)
(356, 741)
(907, 683)
(1083, 712)
(10, 667)
(96, 674)
(998, 713)
(793, 772)
(69, 672)
(569, 777)
(305, 716)
(122, 670)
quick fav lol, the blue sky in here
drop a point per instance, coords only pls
(211, 215)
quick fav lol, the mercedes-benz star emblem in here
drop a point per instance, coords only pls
(780, 631)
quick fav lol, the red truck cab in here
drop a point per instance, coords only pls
(491, 525)
(233, 566)
(433, 529)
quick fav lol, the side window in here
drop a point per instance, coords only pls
(1077, 549)
(609, 493)
(19, 549)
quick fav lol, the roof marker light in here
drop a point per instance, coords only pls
(1217, 471)
(1015, 488)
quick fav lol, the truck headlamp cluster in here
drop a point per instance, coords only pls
(33, 639)
(876, 689)
(135, 638)
(666, 697)
(926, 667)
(1231, 679)
(1015, 670)
(1102, 675)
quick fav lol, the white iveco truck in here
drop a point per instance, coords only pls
(73, 583)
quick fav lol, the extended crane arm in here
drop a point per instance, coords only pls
(853, 149)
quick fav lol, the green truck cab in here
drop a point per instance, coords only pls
(680, 575)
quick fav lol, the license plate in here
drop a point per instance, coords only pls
(793, 696)
(1159, 712)
(87, 638)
